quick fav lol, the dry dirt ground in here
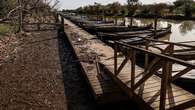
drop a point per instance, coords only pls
(38, 71)
(30, 73)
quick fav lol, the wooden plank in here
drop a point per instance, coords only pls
(133, 63)
(181, 73)
(152, 86)
(103, 89)
(106, 57)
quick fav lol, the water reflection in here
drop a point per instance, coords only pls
(186, 27)
(181, 30)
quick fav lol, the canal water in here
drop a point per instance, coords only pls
(182, 31)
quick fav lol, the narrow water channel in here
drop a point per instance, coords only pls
(182, 31)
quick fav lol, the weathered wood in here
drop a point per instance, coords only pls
(146, 76)
(151, 91)
(164, 84)
(146, 55)
(115, 59)
(186, 70)
(184, 105)
(123, 63)
(102, 87)
(155, 27)
(175, 60)
(133, 62)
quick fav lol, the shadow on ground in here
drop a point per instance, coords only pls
(76, 90)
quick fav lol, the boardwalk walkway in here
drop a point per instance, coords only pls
(150, 94)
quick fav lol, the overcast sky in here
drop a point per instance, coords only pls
(73, 4)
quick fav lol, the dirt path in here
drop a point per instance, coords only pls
(33, 80)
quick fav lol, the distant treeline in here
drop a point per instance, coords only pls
(180, 9)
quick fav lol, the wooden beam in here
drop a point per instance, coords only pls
(133, 63)
(164, 57)
(155, 27)
(115, 59)
(184, 105)
(123, 64)
(147, 75)
(170, 64)
(146, 55)
(164, 83)
(186, 70)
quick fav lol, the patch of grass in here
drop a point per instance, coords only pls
(8, 28)
(5, 28)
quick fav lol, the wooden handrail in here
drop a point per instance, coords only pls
(168, 42)
(166, 59)
(171, 59)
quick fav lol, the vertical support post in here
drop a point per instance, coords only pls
(164, 83)
(146, 56)
(131, 22)
(115, 20)
(115, 58)
(124, 21)
(62, 21)
(155, 26)
(133, 60)
(170, 64)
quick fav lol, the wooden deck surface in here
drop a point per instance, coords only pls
(150, 91)
(103, 88)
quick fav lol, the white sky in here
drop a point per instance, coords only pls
(73, 4)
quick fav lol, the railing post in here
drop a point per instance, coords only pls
(164, 83)
(115, 58)
(155, 27)
(133, 60)
(170, 64)
(62, 21)
(146, 55)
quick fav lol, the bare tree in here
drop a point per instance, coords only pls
(19, 9)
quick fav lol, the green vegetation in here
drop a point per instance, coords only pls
(5, 28)
(180, 9)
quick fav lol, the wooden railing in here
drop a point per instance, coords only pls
(161, 60)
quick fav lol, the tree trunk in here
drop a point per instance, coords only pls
(20, 16)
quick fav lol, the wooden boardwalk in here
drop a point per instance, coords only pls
(143, 85)
(103, 88)
(150, 90)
